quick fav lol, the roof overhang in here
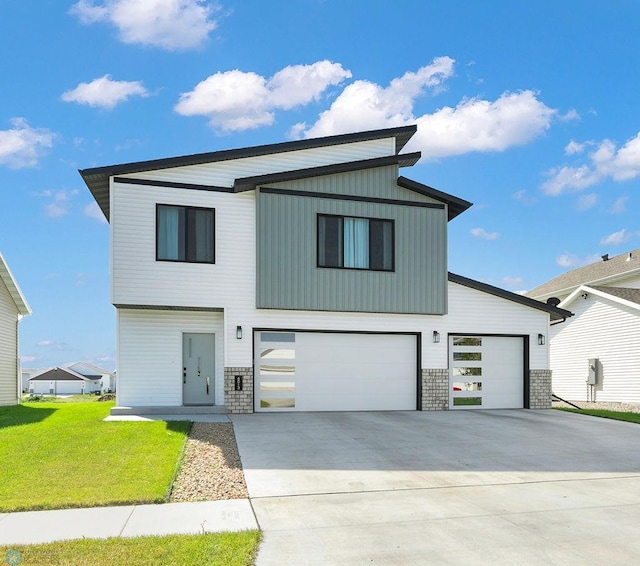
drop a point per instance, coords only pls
(455, 205)
(12, 286)
(250, 183)
(556, 313)
(582, 289)
(97, 178)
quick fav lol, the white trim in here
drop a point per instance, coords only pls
(16, 294)
(603, 294)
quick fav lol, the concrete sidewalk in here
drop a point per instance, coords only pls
(33, 527)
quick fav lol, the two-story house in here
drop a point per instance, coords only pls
(306, 276)
(13, 307)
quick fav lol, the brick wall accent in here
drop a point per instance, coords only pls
(435, 389)
(540, 389)
(238, 401)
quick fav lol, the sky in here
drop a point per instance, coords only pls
(530, 110)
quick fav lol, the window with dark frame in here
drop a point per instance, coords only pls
(185, 234)
(355, 243)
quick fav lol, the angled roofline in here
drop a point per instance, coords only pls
(599, 293)
(89, 364)
(97, 178)
(455, 205)
(72, 373)
(556, 313)
(250, 183)
(12, 286)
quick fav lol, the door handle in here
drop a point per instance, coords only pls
(207, 385)
(184, 375)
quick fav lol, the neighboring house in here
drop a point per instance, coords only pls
(64, 381)
(594, 355)
(27, 374)
(13, 307)
(306, 276)
(107, 378)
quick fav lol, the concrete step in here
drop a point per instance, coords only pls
(179, 410)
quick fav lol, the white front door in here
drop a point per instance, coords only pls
(486, 372)
(198, 369)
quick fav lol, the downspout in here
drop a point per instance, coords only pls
(18, 365)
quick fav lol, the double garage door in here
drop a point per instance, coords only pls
(315, 371)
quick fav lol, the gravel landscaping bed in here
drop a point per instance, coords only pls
(211, 468)
(625, 407)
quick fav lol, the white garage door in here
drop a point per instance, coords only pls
(311, 371)
(486, 372)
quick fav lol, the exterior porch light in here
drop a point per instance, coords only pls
(239, 332)
(436, 337)
(541, 340)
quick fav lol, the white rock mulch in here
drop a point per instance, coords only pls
(211, 469)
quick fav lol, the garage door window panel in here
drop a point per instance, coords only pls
(355, 243)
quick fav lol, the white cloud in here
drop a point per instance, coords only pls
(174, 25)
(574, 147)
(570, 115)
(104, 93)
(22, 145)
(364, 105)
(619, 206)
(523, 197)
(515, 118)
(27, 359)
(92, 210)
(45, 343)
(586, 202)
(483, 234)
(59, 204)
(567, 260)
(617, 238)
(606, 161)
(237, 100)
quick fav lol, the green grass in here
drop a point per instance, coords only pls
(61, 454)
(224, 549)
(616, 415)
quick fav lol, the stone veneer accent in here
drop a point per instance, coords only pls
(540, 389)
(238, 401)
(435, 389)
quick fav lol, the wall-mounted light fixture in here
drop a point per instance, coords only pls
(239, 332)
(436, 337)
(541, 340)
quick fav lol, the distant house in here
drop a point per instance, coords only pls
(13, 307)
(107, 378)
(64, 381)
(594, 355)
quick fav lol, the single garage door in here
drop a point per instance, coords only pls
(316, 371)
(486, 372)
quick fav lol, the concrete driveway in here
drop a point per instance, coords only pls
(459, 487)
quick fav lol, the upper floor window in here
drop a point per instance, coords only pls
(185, 233)
(355, 243)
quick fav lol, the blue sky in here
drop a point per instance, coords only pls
(528, 109)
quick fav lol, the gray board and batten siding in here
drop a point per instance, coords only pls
(288, 276)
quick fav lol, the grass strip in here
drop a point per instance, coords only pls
(224, 549)
(56, 455)
(605, 414)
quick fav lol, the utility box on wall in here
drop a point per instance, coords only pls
(594, 371)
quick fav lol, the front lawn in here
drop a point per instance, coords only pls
(605, 414)
(61, 454)
(223, 549)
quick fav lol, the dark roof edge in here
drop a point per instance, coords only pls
(456, 205)
(555, 312)
(402, 135)
(250, 183)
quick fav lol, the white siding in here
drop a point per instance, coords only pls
(138, 279)
(599, 329)
(150, 355)
(224, 173)
(8, 348)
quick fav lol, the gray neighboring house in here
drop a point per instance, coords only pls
(13, 307)
(594, 355)
(64, 381)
